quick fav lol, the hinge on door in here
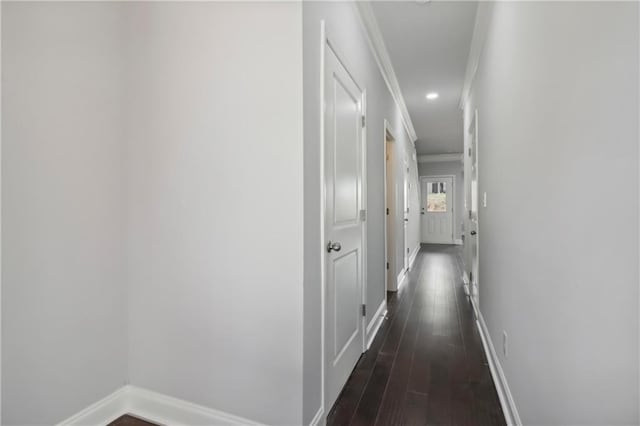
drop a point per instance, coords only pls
(387, 211)
(363, 215)
(469, 152)
(364, 121)
(407, 249)
(387, 266)
(364, 310)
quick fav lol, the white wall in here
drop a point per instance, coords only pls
(456, 169)
(557, 95)
(215, 205)
(146, 149)
(344, 30)
(63, 282)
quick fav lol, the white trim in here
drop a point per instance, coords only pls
(154, 407)
(413, 256)
(363, 223)
(499, 379)
(318, 419)
(381, 55)
(480, 31)
(376, 322)
(164, 409)
(638, 93)
(323, 263)
(101, 412)
(402, 279)
(458, 241)
(440, 158)
(465, 284)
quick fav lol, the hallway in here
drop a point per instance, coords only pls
(426, 365)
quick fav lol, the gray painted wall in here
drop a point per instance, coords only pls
(63, 265)
(344, 29)
(557, 98)
(144, 146)
(455, 168)
(214, 143)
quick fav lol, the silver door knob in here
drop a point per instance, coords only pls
(333, 247)
(473, 232)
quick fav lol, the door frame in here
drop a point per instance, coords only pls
(388, 134)
(325, 42)
(453, 211)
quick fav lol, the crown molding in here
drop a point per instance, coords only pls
(480, 30)
(381, 55)
(440, 158)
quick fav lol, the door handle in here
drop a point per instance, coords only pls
(473, 232)
(406, 220)
(333, 247)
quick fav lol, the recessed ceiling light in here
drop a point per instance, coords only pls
(431, 96)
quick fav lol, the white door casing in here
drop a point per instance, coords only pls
(343, 188)
(436, 209)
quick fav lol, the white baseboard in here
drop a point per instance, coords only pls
(318, 419)
(167, 410)
(458, 241)
(101, 412)
(502, 387)
(414, 256)
(376, 322)
(403, 278)
(154, 407)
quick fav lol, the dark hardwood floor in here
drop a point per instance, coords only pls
(427, 364)
(128, 420)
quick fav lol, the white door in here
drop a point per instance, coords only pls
(472, 235)
(437, 210)
(392, 282)
(343, 148)
(406, 217)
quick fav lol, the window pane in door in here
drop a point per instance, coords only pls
(437, 197)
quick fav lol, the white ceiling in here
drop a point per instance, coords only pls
(429, 45)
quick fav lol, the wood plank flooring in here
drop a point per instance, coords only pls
(128, 420)
(426, 365)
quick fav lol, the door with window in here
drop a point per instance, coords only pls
(437, 209)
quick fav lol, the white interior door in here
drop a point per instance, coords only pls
(437, 210)
(343, 147)
(392, 283)
(405, 221)
(472, 236)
